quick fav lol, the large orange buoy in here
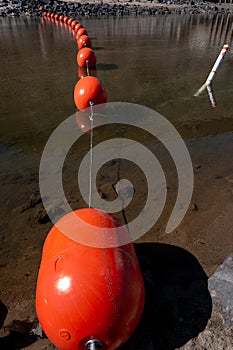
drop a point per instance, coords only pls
(85, 293)
(86, 54)
(77, 27)
(84, 41)
(89, 90)
(80, 32)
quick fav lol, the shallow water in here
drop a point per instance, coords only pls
(158, 62)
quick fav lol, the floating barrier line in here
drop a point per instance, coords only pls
(102, 269)
(211, 76)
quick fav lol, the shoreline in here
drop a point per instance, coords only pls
(9, 8)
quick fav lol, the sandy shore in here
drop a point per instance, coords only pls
(206, 230)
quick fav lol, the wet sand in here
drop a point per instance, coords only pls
(206, 230)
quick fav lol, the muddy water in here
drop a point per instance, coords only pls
(158, 62)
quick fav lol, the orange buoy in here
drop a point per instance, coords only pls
(48, 14)
(41, 8)
(84, 41)
(52, 15)
(65, 19)
(85, 293)
(86, 54)
(80, 32)
(70, 20)
(89, 89)
(61, 18)
(73, 24)
(77, 27)
(56, 17)
(45, 13)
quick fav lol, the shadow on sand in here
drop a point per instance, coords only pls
(178, 303)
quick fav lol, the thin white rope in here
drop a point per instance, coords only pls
(88, 72)
(91, 154)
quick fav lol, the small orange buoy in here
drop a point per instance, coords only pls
(89, 90)
(65, 19)
(56, 17)
(70, 20)
(45, 13)
(86, 54)
(41, 8)
(84, 41)
(73, 24)
(80, 32)
(61, 18)
(85, 293)
(48, 14)
(77, 27)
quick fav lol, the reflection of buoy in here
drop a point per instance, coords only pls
(82, 72)
(84, 41)
(80, 32)
(86, 54)
(85, 293)
(77, 27)
(83, 121)
(89, 89)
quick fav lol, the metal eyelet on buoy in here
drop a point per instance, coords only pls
(93, 344)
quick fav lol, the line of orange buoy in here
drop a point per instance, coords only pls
(88, 297)
(89, 89)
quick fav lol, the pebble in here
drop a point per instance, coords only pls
(16, 8)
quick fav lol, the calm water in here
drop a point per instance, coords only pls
(158, 62)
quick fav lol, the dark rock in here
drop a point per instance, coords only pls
(3, 313)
